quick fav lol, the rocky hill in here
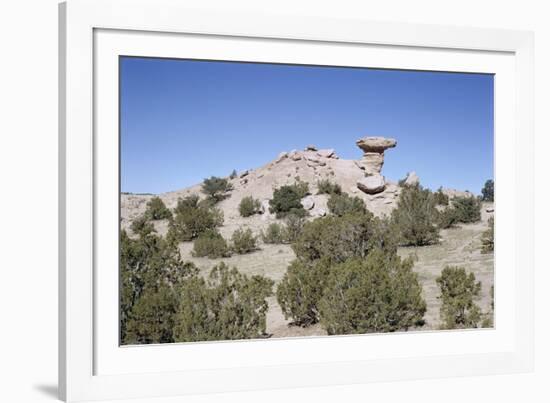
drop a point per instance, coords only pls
(362, 178)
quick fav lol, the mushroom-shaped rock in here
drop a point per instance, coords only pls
(372, 184)
(308, 202)
(412, 179)
(375, 144)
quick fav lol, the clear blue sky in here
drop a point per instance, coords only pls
(182, 121)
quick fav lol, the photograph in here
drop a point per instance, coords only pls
(265, 200)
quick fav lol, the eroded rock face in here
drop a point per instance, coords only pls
(326, 153)
(372, 163)
(372, 184)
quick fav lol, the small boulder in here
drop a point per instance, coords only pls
(308, 202)
(372, 184)
(318, 212)
(328, 153)
(412, 179)
(281, 157)
(311, 147)
(245, 173)
(490, 210)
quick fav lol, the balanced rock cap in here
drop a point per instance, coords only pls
(375, 144)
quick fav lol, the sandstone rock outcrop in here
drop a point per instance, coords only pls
(372, 162)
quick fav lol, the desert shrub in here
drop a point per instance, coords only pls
(447, 217)
(275, 233)
(300, 290)
(192, 218)
(340, 204)
(440, 198)
(211, 244)
(337, 239)
(458, 291)
(301, 187)
(467, 209)
(415, 217)
(216, 188)
(233, 174)
(287, 200)
(148, 265)
(325, 186)
(488, 191)
(322, 244)
(249, 206)
(488, 238)
(226, 306)
(152, 319)
(243, 241)
(141, 226)
(157, 210)
(378, 294)
(294, 223)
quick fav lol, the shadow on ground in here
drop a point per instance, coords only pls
(48, 390)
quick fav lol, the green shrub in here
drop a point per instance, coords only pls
(294, 223)
(243, 241)
(287, 200)
(300, 290)
(216, 188)
(337, 239)
(458, 291)
(275, 233)
(415, 217)
(152, 319)
(149, 268)
(192, 218)
(447, 217)
(301, 187)
(468, 209)
(211, 244)
(488, 191)
(325, 186)
(441, 199)
(249, 206)
(340, 204)
(157, 210)
(488, 238)
(226, 306)
(378, 294)
(141, 226)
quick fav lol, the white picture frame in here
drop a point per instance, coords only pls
(91, 364)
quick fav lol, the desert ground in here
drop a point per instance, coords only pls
(459, 246)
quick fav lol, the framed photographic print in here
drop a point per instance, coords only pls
(259, 201)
